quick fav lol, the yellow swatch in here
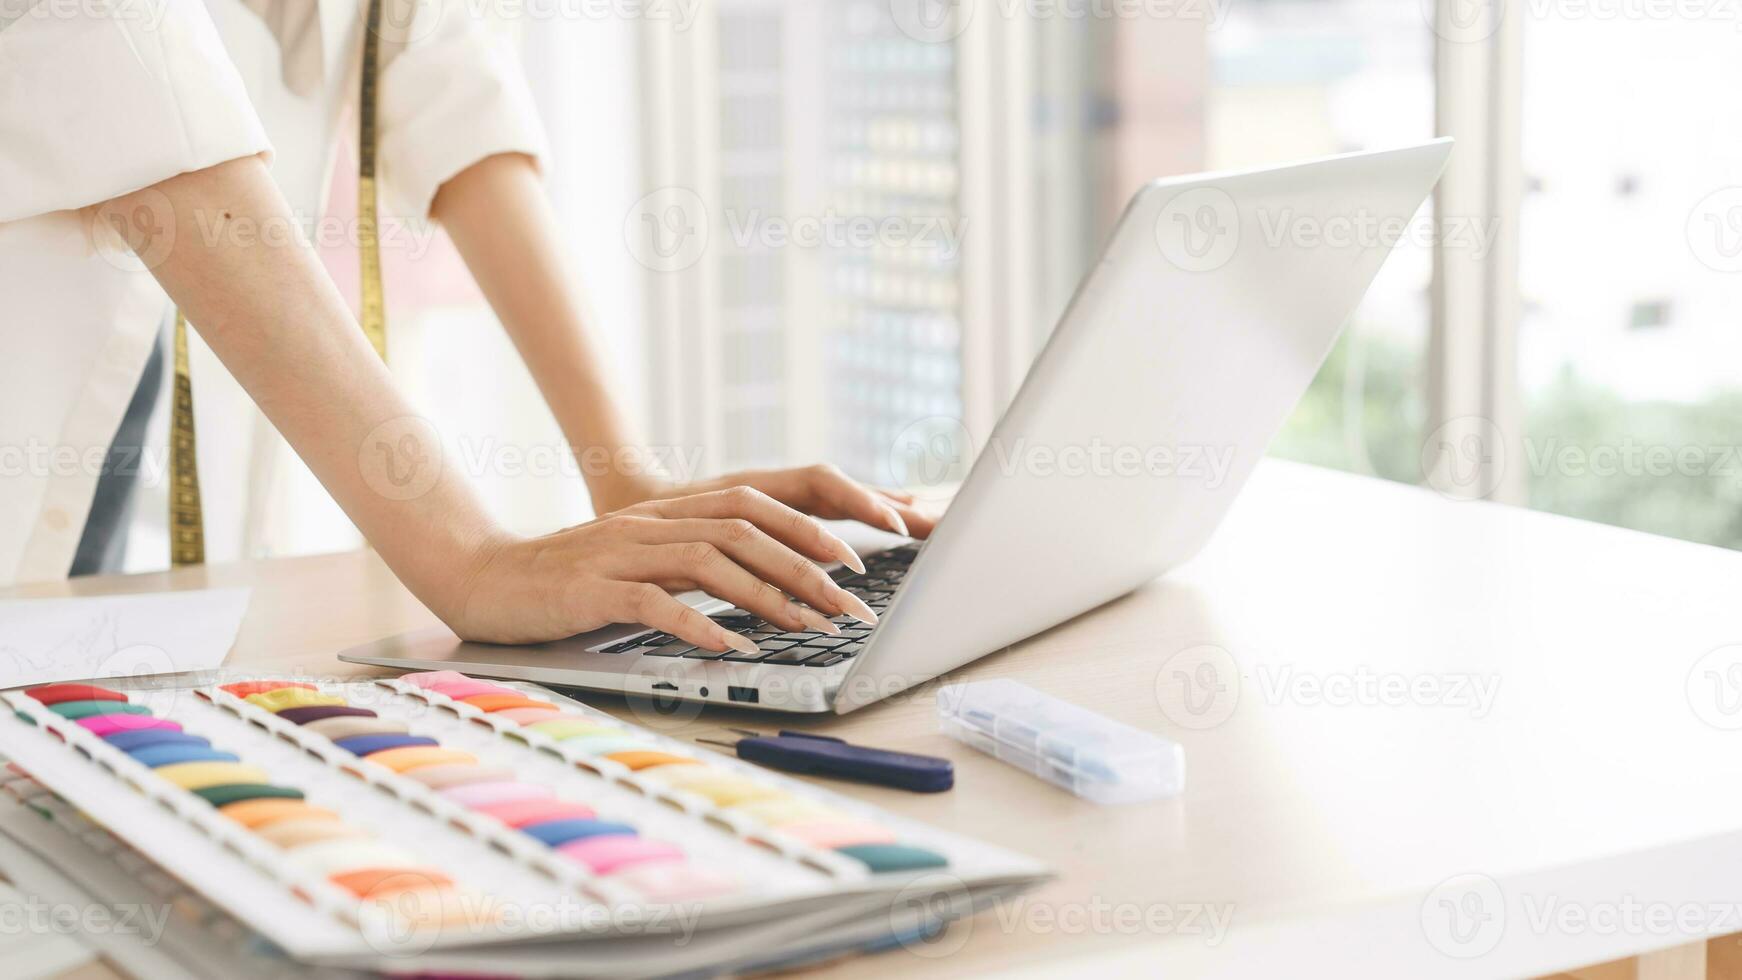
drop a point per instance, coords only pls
(725, 789)
(199, 775)
(292, 697)
(775, 811)
(561, 728)
(679, 775)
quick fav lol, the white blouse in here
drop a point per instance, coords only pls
(99, 99)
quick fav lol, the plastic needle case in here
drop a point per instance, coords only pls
(1093, 756)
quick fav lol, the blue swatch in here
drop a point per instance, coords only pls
(557, 832)
(128, 741)
(168, 755)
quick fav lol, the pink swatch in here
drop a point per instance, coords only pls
(668, 881)
(829, 833)
(431, 677)
(520, 813)
(478, 795)
(609, 852)
(467, 688)
(110, 724)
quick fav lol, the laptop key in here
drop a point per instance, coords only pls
(826, 660)
(699, 653)
(669, 650)
(792, 655)
(745, 658)
(827, 642)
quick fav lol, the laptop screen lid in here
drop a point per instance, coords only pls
(1184, 350)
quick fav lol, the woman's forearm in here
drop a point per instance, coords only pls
(501, 221)
(225, 246)
(223, 243)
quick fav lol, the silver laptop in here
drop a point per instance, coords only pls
(1182, 353)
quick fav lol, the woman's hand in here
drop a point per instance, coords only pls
(736, 544)
(821, 491)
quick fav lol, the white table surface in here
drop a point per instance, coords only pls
(1430, 737)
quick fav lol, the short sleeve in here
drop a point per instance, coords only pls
(453, 95)
(114, 98)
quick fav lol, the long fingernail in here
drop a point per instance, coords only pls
(845, 555)
(855, 607)
(897, 525)
(815, 620)
(741, 644)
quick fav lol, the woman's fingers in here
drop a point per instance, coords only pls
(802, 534)
(709, 569)
(835, 492)
(919, 523)
(827, 492)
(650, 605)
(767, 559)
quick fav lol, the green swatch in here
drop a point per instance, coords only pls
(893, 857)
(237, 792)
(74, 710)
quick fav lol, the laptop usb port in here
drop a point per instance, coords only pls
(748, 695)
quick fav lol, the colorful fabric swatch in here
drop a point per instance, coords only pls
(317, 840)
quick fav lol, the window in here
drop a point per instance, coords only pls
(836, 232)
(1631, 245)
(1291, 79)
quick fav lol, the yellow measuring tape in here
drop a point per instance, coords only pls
(187, 532)
(187, 536)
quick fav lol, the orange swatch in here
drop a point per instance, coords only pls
(499, 702)
(260, 812)
(647, 759)
(379, 882)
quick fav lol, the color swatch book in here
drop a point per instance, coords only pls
(440, 823)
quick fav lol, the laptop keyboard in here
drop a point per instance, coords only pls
(776, 645)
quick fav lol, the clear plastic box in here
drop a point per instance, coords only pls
(1093, 756)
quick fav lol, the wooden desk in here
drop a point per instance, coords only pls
(1380, 691)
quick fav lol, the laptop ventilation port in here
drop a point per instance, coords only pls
(664, 686)
(749, 695)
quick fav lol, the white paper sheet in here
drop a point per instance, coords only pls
(47, 640)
